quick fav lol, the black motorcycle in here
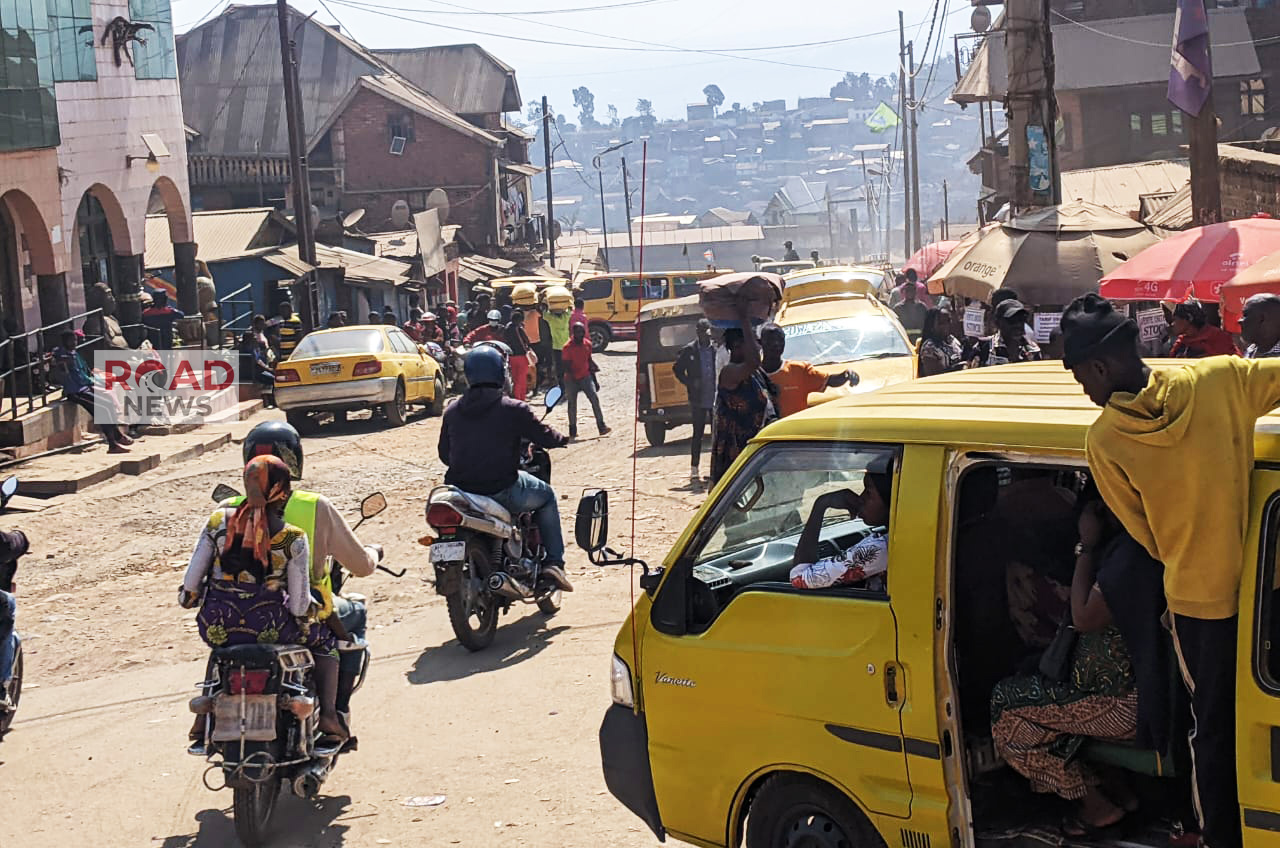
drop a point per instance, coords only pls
(7, 571)
(262, 712)
(487, 559)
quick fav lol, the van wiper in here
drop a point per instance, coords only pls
(889, 354)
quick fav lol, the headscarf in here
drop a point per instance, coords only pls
(266, 482)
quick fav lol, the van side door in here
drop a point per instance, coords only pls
(1258, 666)
(745, 673)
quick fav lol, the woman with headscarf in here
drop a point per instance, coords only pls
(1195, 337)
(252, 568)
(746, 399)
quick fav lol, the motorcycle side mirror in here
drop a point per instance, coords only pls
(223, 492)
(8, 489)
(372, 505)
(591, 528)
(552, 397)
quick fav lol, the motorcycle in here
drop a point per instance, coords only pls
(261, 710)
(7, 571)
(485, 558)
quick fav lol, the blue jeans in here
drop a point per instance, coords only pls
(529, 494)
(8, 638)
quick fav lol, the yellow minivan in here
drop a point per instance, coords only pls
(744, 707)
(612, 301)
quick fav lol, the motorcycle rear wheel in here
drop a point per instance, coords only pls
(252, 808)
(483, 608)
(15, 691)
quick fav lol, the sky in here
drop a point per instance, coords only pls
(663, 50)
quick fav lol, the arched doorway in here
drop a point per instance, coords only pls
(11, 273)
(97, 248)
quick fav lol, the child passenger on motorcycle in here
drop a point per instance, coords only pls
(257, 588)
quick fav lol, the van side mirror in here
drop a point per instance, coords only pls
(223, 492)
(8, 489)
(591, 527)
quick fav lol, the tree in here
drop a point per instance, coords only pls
(644, 108)
(585, 101)
(533, 111)
(737, 107)
(714, 96)
(612, 111)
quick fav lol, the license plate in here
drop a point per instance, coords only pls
(448, 551)
(321, 368)
(258, 720)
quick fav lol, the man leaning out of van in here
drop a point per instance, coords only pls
(864, 564)
(1158, 430)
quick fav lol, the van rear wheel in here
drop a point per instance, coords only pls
(655, 432)
(600, 337)
(790, 811)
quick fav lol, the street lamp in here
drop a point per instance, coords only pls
(604, 227)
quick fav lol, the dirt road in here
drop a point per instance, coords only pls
(97, 755)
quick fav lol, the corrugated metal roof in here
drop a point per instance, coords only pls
(1119, 187)
(1106, 53)
(1176, 213)
(394, 88)
(465, 77)
(359, 267)
(220, 235)
(229, 70)
(402, 244)
(660, 238)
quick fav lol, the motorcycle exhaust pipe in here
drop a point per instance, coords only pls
(503, 584)
(308, 783)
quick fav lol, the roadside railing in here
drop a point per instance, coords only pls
(24, 363)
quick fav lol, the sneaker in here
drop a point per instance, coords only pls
(117, 448)
(557, 575)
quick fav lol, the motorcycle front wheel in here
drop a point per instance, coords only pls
(473, 612)
(252, 807)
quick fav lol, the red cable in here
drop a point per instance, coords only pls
(635, 422)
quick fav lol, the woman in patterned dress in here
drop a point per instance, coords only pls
(1113, 689)
(252, 567)
(746, 400)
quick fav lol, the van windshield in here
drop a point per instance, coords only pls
(845, 340)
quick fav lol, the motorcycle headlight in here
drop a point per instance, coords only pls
(620, 683)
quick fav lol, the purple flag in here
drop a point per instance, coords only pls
(1191, 73)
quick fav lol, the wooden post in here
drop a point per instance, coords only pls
(546, 154)
(1206, 190)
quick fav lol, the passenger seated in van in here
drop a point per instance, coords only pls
(864, 564)
(1115, 687)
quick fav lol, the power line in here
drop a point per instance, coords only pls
(603, 8)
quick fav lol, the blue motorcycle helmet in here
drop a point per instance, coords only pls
(484, 366)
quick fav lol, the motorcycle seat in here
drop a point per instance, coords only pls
(486, 505)
(257, 656)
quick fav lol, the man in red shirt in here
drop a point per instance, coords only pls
(794, 379)
(490, 332)
(576, 359)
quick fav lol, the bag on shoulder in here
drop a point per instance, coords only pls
(1055, 662)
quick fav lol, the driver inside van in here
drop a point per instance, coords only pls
(865, 563)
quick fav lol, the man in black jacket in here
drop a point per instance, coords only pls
(696, 368)
(480, 441)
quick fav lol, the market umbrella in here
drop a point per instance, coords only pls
(1262, 277)
(1050, 256)
(1197, 261)
(927, 259)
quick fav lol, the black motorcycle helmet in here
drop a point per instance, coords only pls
(279, 439)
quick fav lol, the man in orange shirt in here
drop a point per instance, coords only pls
(794, 379)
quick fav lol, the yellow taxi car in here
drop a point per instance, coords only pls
(860, 714)
(360, 367)
(842, 330)
(841, 278)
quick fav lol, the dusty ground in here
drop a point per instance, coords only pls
(509, 736)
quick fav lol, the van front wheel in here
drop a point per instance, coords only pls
(791, 810)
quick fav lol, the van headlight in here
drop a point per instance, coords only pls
(620, 683)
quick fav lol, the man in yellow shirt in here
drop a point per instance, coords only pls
(1162, 436)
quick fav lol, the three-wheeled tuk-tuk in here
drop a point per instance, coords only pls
(662, 328)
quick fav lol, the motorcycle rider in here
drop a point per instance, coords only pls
(480, 441)
(491, 332)
(13, 545)
(327, 534)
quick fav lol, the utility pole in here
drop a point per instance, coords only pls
(857, 237)
(903, 70)
(626, 192)
(1206, 190)
(946, 213)
(872, 217)
(297, 168)
(831, 233)
(1032, 106)
(604, 226)
(915, 150)
(546, 155)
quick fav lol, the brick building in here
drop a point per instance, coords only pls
(379, 136)
(92, 138)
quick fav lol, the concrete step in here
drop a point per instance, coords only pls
(76, 471)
